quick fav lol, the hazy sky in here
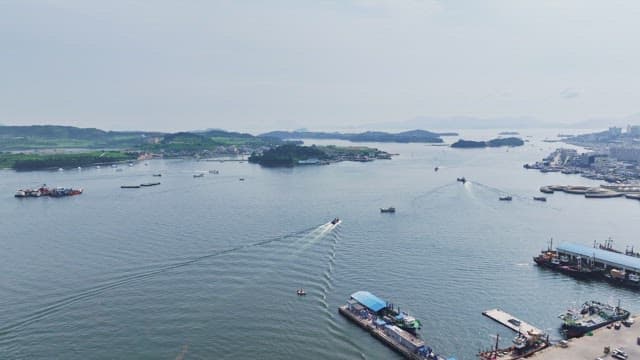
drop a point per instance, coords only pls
(179, 65)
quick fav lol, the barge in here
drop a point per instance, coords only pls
(394, 328)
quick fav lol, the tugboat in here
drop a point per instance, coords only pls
(593, 315)
(335, 221)
(390, 209)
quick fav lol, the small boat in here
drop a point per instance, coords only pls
(301, 292)
(435, 169)
(505, 198)
(390, 209)
(539, 198)
(198, 175)
(461, 179)
(241, 179)
(157, 175)
(335, 221)
(130, 187)
(150, 184)
(214, 172)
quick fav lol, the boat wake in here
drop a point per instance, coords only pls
(58, 305)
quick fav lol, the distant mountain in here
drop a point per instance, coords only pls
(421, 136)
(465, 122)
(56, 137)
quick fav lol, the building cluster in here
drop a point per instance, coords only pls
(614, 156)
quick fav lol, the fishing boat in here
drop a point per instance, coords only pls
(591, 316)
(150, 184)
(390, 209)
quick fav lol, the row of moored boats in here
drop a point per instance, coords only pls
(46, 191)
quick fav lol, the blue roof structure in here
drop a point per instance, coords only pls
(607, 257)
(369, 300)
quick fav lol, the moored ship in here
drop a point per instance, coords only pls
(394, 328)
(591, 316)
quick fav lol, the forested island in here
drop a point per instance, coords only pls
(50, 146)
(289, 155)
(468, 144)
(33, 161)
(413, 136)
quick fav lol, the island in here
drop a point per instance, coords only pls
(469, 144)
(52, 147)
(413, 136)
(41, 147)
(289, 155)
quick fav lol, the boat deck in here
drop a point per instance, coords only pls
(367, 324)
(515, 324)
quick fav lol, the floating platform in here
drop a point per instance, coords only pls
(512, 322)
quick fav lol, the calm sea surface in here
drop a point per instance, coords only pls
(207, 268)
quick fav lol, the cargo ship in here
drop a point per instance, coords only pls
(45, 191)
(393, 327)
(591, 316)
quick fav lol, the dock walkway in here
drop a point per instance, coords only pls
(511, 322)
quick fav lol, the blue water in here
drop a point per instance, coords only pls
(202, 268)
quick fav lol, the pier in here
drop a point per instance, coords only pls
(512, 322)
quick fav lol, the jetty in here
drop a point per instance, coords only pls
(512, 322)
(529, 340)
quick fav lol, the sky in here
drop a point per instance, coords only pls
(285, 64)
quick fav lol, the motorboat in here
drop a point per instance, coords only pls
(301, 292)
(461, 179)
(335, 221)
(157, 175)
(390, 209)
(539, 198)
(505, 198)
(198, 175)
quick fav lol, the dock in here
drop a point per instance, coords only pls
(374, 316)
(512, 322)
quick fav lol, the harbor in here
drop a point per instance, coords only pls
(601, 344)
(601, 262)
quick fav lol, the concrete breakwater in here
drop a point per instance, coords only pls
(602, 191)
